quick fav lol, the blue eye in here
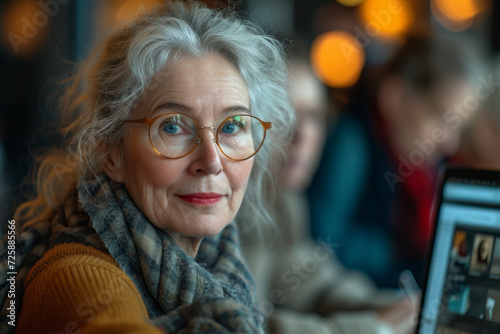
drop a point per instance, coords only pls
(171, 128)
(229, 128)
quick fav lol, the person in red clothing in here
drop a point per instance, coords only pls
(418, 103)
(374, 189)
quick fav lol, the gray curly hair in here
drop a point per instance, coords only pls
(105, 90)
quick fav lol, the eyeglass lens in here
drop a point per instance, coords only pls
(174, 135)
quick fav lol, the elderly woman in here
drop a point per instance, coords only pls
(165, 138)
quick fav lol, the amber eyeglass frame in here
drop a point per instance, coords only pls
(150, 121)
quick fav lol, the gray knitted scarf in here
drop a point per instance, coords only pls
(212, 293)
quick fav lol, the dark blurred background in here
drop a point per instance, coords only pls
(43, 39)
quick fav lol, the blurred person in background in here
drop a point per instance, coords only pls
(480, 141)
(374, 188)
(300, 284)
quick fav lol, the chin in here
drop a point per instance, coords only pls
(206, 228)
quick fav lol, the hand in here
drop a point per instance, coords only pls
(402, 316)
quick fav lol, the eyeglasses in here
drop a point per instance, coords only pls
(175, 135)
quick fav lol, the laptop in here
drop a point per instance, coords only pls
(461, 287)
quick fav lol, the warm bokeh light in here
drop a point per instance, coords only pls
(457, 10)
(350, 3)
(457, 15)
(386, 18)
(25, 27)
(133, 8)
(337, 58)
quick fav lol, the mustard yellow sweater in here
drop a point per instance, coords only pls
(78, 289)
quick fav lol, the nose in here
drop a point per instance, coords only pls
(206, 158)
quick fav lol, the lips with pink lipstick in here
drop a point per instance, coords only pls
(201, 198)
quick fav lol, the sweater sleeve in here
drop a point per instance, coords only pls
(77, 289)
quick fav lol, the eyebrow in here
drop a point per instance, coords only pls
(185, 109)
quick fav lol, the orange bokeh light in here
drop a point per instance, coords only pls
(350, 3)
(457, 10)
(134, 8)
(337, 58)
(386, 18)
(456, 15)
(25, 27)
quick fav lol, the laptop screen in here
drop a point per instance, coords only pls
(462, 289)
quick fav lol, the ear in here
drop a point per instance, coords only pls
(390, 97)
(113, 165)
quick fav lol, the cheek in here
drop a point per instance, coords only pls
(308, 132)
(153, 171)
(310, 142)
(238, 173)
(160, 172)
(315, 136)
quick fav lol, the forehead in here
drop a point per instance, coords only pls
(204, 83)
(306, 92)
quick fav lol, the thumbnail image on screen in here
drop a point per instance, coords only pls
(493, 305)
(465, 299)
(477, 302)
(495, 262)
(460, 252)
(481, 253)
(457, 296)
